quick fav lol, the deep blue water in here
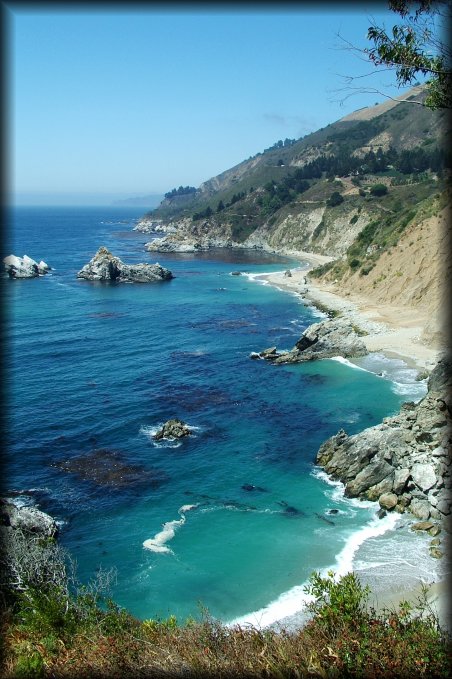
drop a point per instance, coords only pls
(96, 367)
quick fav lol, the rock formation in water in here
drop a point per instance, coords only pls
(331, 337)
(106, 267)
(24, 267)
(172, 429)
(404, 462)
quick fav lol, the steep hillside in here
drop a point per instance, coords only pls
(338, 149)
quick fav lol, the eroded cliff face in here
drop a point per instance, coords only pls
(312, 229)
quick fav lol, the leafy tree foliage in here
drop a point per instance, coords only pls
(236, 197)
(280, 144)
(203, 214)
(414, 48)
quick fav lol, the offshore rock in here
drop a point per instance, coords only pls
(27, 519)
(404, 458)
(106, 267)
(24, 267)
(172, 429)
(331, 337)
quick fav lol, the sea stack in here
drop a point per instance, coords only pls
(106, 267)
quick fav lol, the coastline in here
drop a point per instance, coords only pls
(395, 332)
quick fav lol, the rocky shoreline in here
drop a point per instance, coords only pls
(29, 520)
(404, 462)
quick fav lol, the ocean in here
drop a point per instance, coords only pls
(234, 518)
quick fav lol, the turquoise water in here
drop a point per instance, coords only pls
(97, 367)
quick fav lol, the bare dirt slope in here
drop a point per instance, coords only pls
(412, 276)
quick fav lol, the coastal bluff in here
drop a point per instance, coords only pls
(403, 463)
(104, 266)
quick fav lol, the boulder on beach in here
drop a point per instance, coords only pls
(172, 429)
(24, 267)
(106, 267)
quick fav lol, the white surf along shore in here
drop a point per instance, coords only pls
(396, 569)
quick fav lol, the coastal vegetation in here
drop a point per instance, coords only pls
(55, 627)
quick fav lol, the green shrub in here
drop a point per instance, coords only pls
(337, 602)
(318, 271)
(365, 270)
(29, 666)
(379, 190)
(335, 199)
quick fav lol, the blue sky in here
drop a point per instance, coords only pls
(121, 102)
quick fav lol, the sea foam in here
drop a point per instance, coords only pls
(158, 542)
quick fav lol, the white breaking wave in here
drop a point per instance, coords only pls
(345, 361)
(402, 378)
(158, 542)
(374, 528)
(256, 277)
(336, 493)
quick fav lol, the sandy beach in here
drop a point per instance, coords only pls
(436, 600)
(395, 331)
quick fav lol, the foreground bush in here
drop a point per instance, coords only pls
(48, 632)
